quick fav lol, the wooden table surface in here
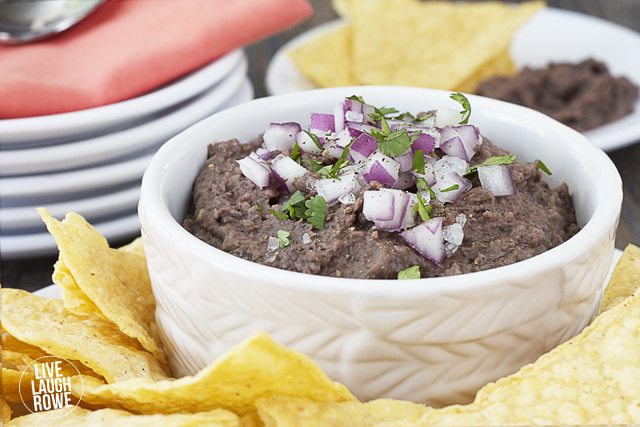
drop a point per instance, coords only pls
(35, 273)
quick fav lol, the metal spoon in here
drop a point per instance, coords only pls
(23, 21)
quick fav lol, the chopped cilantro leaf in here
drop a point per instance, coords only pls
(316, 211)
(382, 113)
(543, 167)
(422, 185)
(466, 106)
(325, 171)
(425, 116)
(356, 98)
(332, 171)
(395, 143)
(283, 238)
(412, 272)
(418, 161)
(294, 207)
(406, 114)
(378, 134)
(424, 209)
(451, 188)
(386, 130)
(492, 161)
(314, 165)
(314, 138)
(295, 153)
(278, 214)
(259, 208)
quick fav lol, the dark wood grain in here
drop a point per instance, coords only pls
(32, 274)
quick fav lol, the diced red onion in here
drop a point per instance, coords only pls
(363, 146)
(354, 132)
(447, 117)
(405, 160)
(254, 171)
(454, 147)
(382, 169)
(497, 179)
(378, 205)
(409, 219)
(254, 155)
(359, 126)
(405, 180)
(281, 136)
(342, 138)
(338, 117)
(332, 189)
(425, 142)
(447, 182)
(352, 116)
(398, 124)
(322, 122)
(334, 149)
(468, 136)
(429, 171)
(287, 169)
(353, 106)
(400, 204)
(427, 239)
(306, 144)
(448, 164)
(264, 153)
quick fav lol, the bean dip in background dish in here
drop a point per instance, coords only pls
(374, 193)
(583, 95)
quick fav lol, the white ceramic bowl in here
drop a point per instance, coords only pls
(432, 340)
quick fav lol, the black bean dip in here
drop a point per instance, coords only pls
(583, 95)
(478, 230)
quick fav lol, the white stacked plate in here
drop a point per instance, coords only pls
(92, 161)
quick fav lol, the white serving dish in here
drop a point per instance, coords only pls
(116, 145)
(433, 340)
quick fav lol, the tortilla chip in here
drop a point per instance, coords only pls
(499, 65)
(326, 59)
(440, 45)
(96, 342)
(81, 417)
(11, 384)
(625, 279)
(253, 369)
(74, 299)
(286, 411)
(135, 247)
(116, 282)
(594, 378)
(6, 411)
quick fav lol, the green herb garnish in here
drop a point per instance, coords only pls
(543, 167)
(492, 161)
(451, 188)
(422, 185)
(412, 272)
(295, 153)
(395, 143)
(294, 207)
(356, 98)
(418, 161)
(259, 208)
(280, 215)
(382, 113)
(402, 116)
(423, 209)
(283, 238)
(316, 211)
(332, 171)
(314, 138)
(466, 106)
(314, 165)
(425, 116)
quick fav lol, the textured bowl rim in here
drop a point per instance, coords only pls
(608, 195)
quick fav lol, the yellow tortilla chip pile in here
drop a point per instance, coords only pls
(435, 44)
(592, 378)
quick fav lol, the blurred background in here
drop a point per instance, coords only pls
(87, 152)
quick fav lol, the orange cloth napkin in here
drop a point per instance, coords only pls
(129, 47)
